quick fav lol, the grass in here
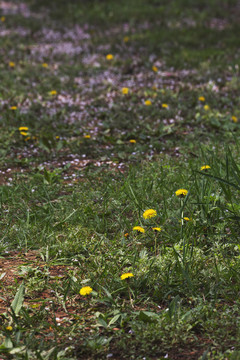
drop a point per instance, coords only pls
(74, 187)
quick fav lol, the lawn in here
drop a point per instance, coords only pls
(119, 180)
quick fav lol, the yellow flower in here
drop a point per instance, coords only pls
(23, 128)
(27, 138)
(206, 107)
(186, 219)
(126, 276)
(57, 137)
(126, 39)
(132, 141)
(126, 235)
(181, 192)
(9, 328)
(201, 98)
(45, 65)
(24, 133)
(2, 18)
(34, 306)
(154, 68)
(205, 167)
(11, 64)
(149, 213)
(165, 106)
(13, 108)
(53, 92)
(139, 229)
(87, 136)
(234, 119)
(148, 103)
(156, 229)
(125, 90)
(86, 290)
(109, 57)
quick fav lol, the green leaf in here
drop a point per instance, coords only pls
(17, 350)
(102, 322)
(8, 343)
(147, 316)
(2, 276)
(174, 306)
(18, 299)
(114, 319)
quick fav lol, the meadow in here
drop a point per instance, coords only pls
(119, 180)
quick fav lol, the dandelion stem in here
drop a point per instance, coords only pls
(130, 298)
(182, 223)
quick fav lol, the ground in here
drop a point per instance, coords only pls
(107, 110)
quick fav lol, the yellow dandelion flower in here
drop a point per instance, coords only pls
(27, 138)
(205, 167)
(109, 57)
(181, 192)
(2, 18)
(126, 276)
(11, 64)
(126, 39)
(132, 141)
(87, 136)
(148, 103)
(156, 229)
(13, 108)
(154, 68)
(24, 133)
(86, 290)
(165, 106)
(23, 128)
(206, 107)
(45, 65)
(9, 328)
(234, 119)
(149, 213)
(139, 229)
(34, 306)
(57, 137)
(126, 235)
(201, 98)
(53, 92)
(125, 90)
(185, 218)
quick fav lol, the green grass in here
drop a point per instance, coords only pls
(69, 202)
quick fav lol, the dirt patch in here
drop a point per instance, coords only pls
(10, 274)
